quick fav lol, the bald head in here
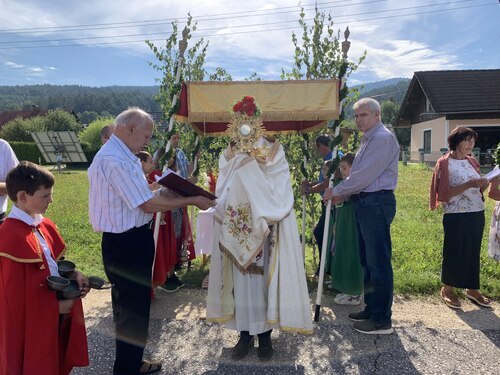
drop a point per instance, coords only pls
(134, 127)
(106, 132)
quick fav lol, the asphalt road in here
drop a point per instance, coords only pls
(429, 338)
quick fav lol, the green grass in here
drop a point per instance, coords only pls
(416, 234)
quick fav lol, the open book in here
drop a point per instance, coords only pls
(180, 185)
(492, 174)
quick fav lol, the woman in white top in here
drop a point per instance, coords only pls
(463, 219)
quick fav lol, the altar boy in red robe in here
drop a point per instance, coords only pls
(39, 334)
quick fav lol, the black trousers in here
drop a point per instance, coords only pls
(128, 259)
(318, 231)
(463, 234)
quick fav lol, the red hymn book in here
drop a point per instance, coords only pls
(180, 185)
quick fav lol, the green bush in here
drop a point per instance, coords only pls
(19, 129)
(27, 151)
(91, 134)
(89, 152)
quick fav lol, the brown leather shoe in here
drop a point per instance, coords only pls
(150, 366)
(476, 296)
(450, 298)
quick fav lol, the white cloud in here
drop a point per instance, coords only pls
(28, 70)
(396, 46)
(13, 65)
(401, 58)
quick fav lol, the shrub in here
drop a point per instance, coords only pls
(27, 151)
(57, 120)
(91, 135)
(19, 129)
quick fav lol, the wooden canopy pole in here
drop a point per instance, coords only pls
(182, 49)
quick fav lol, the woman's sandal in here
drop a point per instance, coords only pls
(149, 367)
(451, 300)
(477, 297)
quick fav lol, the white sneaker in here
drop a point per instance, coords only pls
(346, 299)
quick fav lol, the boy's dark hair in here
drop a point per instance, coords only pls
(323, 139)
(28, 177)
(143, 156)
(348, 158)
(460, 134)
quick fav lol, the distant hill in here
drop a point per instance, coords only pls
(393, 89)
(368, 87)
(102, 100)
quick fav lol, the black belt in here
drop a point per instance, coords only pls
(142, 228)
(357, 197)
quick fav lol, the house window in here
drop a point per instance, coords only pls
(427, 141)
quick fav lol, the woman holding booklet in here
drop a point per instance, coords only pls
(457, 184)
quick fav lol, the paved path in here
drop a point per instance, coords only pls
(429, 338)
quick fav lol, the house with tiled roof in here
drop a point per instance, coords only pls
(7, 116)
(436, 102)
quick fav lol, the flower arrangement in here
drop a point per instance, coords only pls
(247, 106)
(245, 127)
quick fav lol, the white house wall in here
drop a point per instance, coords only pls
(440, 129)
(438, 139)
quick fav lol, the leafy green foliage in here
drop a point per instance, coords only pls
(170, 60)
(57, 120)
(91, 135)
(318, 55)
(192, 68)
(27, 151)
(497, 155)
(19, 129)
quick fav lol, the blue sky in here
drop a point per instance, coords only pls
(43, 41)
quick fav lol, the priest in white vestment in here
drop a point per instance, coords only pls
(257, 280)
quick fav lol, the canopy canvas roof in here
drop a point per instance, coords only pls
(287, 106)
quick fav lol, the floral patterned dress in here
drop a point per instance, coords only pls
(494, 238)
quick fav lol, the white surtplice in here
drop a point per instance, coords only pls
(257, 279)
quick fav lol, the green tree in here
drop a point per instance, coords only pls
(91, 135)
(58, 120)
(389, 112)
(192, 69)
(87, 117)
(19, 129)
(318, 55)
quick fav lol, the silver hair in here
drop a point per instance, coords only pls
(372, 104)
(133, 116)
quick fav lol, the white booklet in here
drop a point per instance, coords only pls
(495, 172)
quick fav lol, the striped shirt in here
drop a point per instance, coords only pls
(117, 188)
(375, 166)
(181, 162)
